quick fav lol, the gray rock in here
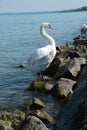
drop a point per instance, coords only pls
(36, 103)
(80, 40)
(54, 66)
(48, 86)
(5, 125)
(36, 85)
(43, 115)
(12, 117)
(74, 54)
(63, 87)
(72, 68)
(33, 123)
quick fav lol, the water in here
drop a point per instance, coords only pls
(19, 35)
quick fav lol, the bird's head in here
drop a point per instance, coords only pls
(47, 25)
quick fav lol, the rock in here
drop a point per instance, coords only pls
(36, 85)
(53, 68)
(83, 74)
(77, 37)
(12, 118)
(43, 115)
(72, 68)
(48, 86)
(74, 54)
(4, 125)
(74, 112)
(81, 121)
(81, 49)
(58, 48)
(21, 66)
(33, 123)
(80, 40)
(70, 46)
(63, 87)
(36, 103)
(40, 85)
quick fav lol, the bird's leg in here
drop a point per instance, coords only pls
(41, 75)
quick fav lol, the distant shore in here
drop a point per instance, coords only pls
(42, 12)
(75, 10)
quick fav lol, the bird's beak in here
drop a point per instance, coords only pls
(50, 27)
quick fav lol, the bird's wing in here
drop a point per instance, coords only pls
(39, 54)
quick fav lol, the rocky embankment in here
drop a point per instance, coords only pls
(61, 96)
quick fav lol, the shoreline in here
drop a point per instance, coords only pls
(58, 98)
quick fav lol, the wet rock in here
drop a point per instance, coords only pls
(21, 66)
(43, 115)
(36, 103)
(33, 123)
(63, 87)
(36, 85)
(72, 68)
(12, 118)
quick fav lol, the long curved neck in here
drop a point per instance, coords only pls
(47, 37)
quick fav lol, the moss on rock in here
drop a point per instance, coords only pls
(37, 85)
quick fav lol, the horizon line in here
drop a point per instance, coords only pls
(31, 12)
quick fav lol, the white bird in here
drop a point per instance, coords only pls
(40, 59)
(84, 30)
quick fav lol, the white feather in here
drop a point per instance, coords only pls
(41, 58)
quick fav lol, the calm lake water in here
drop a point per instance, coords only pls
(19, 35)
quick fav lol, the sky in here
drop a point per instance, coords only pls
(39, 5)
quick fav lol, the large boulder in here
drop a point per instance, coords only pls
(33, 123)
(63, 87)
(42, 85)
(72, 68)
(54, 66)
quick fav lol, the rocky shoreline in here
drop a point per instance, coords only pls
(61, 97)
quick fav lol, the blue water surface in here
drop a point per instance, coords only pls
(19, 35)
